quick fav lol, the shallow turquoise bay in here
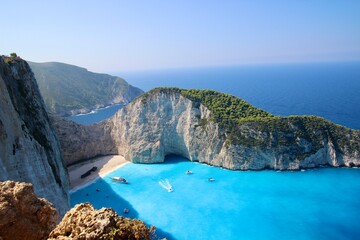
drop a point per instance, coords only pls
(315, 204)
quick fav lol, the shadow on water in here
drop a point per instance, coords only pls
(100, 195)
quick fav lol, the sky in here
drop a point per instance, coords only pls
(119, 35)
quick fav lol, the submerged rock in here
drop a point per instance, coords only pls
(23, 215)
(84, 222)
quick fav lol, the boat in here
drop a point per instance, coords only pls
(166, 184)
(188, 172)
(86, 174)
(211, 179)
(119, 179)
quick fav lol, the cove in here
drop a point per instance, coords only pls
(96, 115)
(314, 204)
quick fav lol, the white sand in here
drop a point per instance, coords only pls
(104, 164)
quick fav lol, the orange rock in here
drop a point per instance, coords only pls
(22, 214)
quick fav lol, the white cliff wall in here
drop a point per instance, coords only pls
(149, 129)
(162, 123)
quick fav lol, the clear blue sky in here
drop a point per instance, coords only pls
(109, 36)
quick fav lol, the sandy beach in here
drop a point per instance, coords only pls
(104, 164)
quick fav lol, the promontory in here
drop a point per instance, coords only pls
(213, 128)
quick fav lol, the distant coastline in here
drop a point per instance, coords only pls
(96, 115)
(96, 109)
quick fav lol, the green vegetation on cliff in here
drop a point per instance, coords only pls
(68, 89)
(293, 132)
(252, 127)
(228, 111)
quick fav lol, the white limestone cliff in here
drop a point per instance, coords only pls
(165, 122)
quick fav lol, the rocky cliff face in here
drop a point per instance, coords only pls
(166, 122)
(23, 215)
(81, 142)
(163, 124)
(29, 149)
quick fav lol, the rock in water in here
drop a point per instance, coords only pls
(22, 214)
(84, 222)
(29, 149)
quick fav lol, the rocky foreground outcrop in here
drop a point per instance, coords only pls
(213, 128)
(84, 222)
(29, 149)
(23, 215)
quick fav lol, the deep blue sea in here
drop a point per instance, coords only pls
(319, 204)
(315, 204)
(329, 90)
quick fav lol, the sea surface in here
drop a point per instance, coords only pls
(97, 115)
(329, 90)
(315, 204)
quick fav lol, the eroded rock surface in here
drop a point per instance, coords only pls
(84, 222)
(23, 215)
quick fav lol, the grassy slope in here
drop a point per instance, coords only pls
(65, 87)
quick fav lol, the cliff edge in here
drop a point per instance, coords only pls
(217, 129)
(29, 149)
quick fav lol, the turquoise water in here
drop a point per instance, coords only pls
(315, 204)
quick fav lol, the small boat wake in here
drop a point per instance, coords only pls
(166, 184)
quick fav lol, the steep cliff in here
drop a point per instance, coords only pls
(217, 129)
(81, 142)
(70, 90)
(29, 149)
